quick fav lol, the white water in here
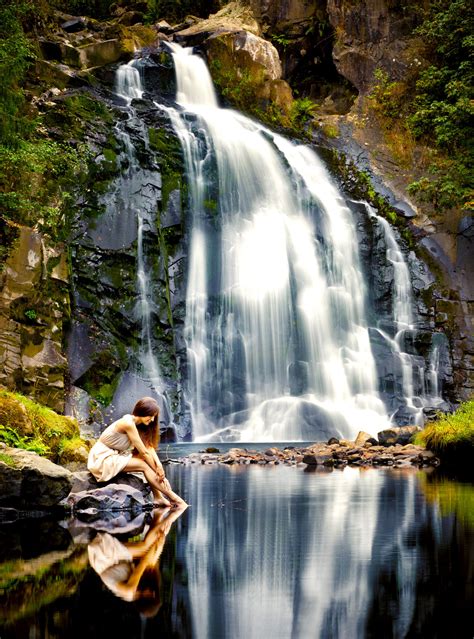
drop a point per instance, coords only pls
(402, 315)
(128, 83)
(275, 293)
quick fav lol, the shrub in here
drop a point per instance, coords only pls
(451, 435)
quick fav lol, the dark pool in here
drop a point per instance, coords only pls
(261, 552)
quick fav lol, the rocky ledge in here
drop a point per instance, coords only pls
(390, 449)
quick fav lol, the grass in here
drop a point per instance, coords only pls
(450, 435)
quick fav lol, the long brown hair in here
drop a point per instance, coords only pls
(150, 435)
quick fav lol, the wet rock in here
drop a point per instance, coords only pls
(318, 460)
(108, 498)
(84, 481)
(74, 25)
(32, 481)
(363, 438)
(400, 435)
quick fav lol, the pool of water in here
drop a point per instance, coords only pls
(274, 552)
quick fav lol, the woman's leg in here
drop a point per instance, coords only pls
(157, 486)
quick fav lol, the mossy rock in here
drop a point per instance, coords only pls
(14, 414)
(26, 424)
(74, 451)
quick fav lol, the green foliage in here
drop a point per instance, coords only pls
(280, 40)
(11, 438)
(37, 174)
(16, 55)
(31, 314)
(302, 110)
(36, 178)
(437, 107)
(386, 97)
(450, 432)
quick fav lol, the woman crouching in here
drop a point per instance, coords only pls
(129, 445)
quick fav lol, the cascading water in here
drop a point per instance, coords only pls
(278, 345)
(427, 391)
(129, 216)
(129, 86)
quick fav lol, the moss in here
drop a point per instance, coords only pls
(102, 378)
(451, 436)
(29, 425)
(73, 450)
(330, 131)
(8, 460)
(358, 185)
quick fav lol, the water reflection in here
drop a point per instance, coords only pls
(289, 554)
(261, 551)
(130, 569)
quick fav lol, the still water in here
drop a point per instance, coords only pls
(261, 552)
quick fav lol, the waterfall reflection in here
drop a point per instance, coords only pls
(130, 569)
(290, 554)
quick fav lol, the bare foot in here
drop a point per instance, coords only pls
(179, 503)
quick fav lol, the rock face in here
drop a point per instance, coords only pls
(239, 57)
(371, 36)
(34, 301)
(31, 481)
(106, 341)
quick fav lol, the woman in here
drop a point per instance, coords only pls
(129, 444)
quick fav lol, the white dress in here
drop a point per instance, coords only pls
(111, 453)
(112, 561)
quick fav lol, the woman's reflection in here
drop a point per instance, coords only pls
(131, 569)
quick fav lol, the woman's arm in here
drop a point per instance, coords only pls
(143, 451)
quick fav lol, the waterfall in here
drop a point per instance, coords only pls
(277, 338)
(402, 317)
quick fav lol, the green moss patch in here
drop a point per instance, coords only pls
(31, 426)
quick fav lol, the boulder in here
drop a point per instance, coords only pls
(232, 18)
(30, 481)
(362, 438)
(112, 497)
(401, 435)
(372, 36)
(85, 482)
(318, 460)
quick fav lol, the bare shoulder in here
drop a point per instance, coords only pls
(125, 424)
